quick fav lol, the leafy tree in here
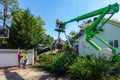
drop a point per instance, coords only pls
(26, 30)
(71, 35)
(6, 7)
(48, 40)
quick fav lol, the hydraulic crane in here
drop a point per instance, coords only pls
(95, 27)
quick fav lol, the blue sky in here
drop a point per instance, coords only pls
(50, 10)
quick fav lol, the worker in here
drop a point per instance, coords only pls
(58, 25)
(25, 58)
(95, 28)
(57, 21)
(19, 58)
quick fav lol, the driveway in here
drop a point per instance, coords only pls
(30, 73)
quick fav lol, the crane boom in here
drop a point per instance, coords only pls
(90, 33)
(110, 9)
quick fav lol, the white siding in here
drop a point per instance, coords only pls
(111, 32)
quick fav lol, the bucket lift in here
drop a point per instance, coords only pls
(58, 29)
(95, 27)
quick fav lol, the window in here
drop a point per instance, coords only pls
(116, 43)
(111, 42)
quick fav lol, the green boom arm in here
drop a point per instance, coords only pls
(102, 12)
(110, 9)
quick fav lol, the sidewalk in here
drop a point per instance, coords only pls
(30, 73)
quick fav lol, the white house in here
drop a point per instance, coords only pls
(110, 33)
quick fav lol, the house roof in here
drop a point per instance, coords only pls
(117, 25)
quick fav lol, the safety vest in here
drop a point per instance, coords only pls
(25, 56)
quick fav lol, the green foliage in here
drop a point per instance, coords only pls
(47, 40)
(71, 35)
(6, 7)
(46, 61)
(90, 69)
(80, 68)
(3, 44)
(57, 63)
(66, 48)
(26, 30)
(36, 57)
(115, 67)
(61, 65)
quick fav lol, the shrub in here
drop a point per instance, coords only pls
(47, 60)
(80, 68)
(57, 63)
(90, 69)
(63, 62)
